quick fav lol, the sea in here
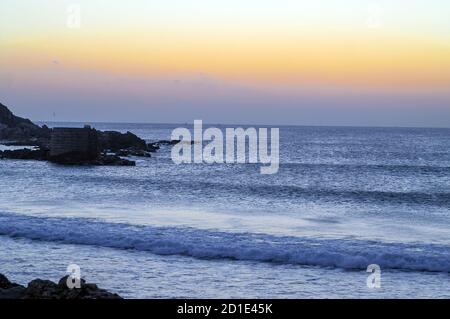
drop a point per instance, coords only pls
(344, 198)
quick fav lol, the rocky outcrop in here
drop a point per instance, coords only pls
(101, 160)
(46, 289)
(110, 146)
(9, 290)
(25, 154)
(115, 141)
(8, 119)
(15, 128)
(168, 142)
(66, 159)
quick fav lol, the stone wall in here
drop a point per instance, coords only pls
(81, 141)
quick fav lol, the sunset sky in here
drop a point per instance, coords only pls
(325, 62)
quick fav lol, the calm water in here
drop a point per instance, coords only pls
(344, 198)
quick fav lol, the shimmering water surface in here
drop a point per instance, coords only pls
(343, 198)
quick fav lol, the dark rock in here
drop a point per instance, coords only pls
(18, 131)
(112, 160)
(87, 291)
(153, 147)
(168, 142)
(115, 141)
(101, 160)
(10, 290)
(72, 158)
(5, 283)
(46, 289)
(12, 293)
(133, 152)
(62, 283)
(65, 159)
(41, 289)
(14, 128)
(8, 119)
(25, 154)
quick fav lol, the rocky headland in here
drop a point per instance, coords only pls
(111, 147)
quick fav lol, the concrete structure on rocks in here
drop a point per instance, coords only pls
(82, 142)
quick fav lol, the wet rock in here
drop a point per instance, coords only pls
(25, 154)
(116, 141)
(101, 160)
(87, 291)
(153, 147)
(41, 289)
(133, 152)
(73, 158)
(66, 159)
(46, 289)
(5, 283)
(17, 131)
(168, 142)
(10, 290)
(113, 160)
(12, 293)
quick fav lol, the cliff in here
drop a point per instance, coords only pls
(15, 128)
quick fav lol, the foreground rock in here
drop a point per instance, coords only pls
(46, 289)
(9, 290)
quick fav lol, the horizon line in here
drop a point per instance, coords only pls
(247, 124)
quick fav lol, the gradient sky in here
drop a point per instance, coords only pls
(236, 61)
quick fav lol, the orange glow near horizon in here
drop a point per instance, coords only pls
(260, 43)
(372, 60)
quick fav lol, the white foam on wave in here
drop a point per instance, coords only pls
(207, 244)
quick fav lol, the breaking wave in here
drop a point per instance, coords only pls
(207, 244)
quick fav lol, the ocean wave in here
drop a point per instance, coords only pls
(405, 168)
(208, 244)
(360, 196)
(279, 191)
